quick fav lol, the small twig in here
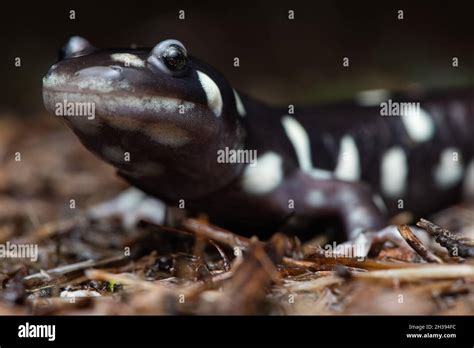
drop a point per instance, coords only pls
(221, 252)
(316, 263)
(57, 228)
(125, 279)
(312, 285)
(421, 273)
(66, 273)
(319, 267)
(455, 245)
(215, 233)
(202, 229)
(417, 245)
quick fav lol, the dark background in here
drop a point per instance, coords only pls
(281, 60)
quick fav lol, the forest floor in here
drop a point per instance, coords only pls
(48, 181)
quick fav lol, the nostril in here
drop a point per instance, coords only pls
(51, 70)
(112, 72)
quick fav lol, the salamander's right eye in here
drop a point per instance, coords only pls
(170, 57)
(76, 46)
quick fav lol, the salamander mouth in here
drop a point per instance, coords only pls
(123, 113)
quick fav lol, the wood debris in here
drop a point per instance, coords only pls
(193, 267)
(417, 245)
(455, 245)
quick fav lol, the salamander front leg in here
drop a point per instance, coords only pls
(353, 202)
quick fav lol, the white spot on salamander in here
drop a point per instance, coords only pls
(348, 165)
(315, 198)
(378, 201)
(265, 176)
(124, 105)
(418, 124)
(168, 134)
(300, 140)
(372, 97)
(394, 171)
(164, 133)
(85, 80)
(128, 59)
(213, 94)
(468, 184)
(449, 170)
(321, 174)
(239, 105)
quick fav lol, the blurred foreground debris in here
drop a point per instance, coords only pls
(95, 266)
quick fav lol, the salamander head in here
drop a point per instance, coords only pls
(148, 112)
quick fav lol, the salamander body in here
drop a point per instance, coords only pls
(174, 127)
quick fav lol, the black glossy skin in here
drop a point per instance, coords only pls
(192, 173)
(374, 135)
(185, 176)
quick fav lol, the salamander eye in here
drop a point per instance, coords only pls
(169, 56)
(175, 57)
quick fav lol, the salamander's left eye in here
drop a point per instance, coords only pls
(175, 57)
(169, 56)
